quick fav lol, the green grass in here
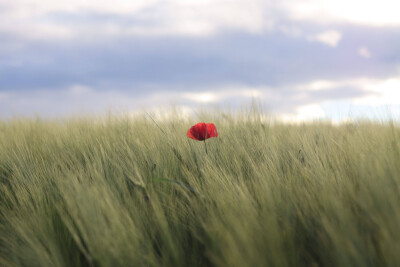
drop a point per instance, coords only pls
(118, 192)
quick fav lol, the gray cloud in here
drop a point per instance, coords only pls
(135, 67)
(272, 59)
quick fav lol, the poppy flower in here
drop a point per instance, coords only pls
(202, 131)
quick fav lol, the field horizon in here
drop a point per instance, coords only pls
(136, 191)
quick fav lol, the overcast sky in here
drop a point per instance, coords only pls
(301, 59)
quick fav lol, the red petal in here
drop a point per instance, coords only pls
(202, 131)
(211, 130)
(198, 131)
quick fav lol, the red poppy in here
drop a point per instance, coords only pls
(202, 131)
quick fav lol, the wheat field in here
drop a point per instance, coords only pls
(123, 191)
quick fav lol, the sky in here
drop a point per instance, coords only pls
(302, 60)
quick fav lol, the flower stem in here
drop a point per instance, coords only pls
(205, 146)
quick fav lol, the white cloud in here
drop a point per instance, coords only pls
(383, 92)
(379, 92)
(317, 85)
(37, 19)
(222, 94)
(202, 97)
(364, 52)
(36, 30)
(304, 113)
(23, 9)
(330, 38)
(40, 20)
(375, 13)
(381, 97)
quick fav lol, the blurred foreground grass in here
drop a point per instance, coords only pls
(118, 192)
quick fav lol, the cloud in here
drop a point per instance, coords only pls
(372, 13)
(330, 38)
(84, 20)
(271, 59)
(303, 102)
(368, 94)
(304, 113)
(364, 52)
(318, 85)
(284, 72)
(383, 92)
(88, 21)
(222, 94)
(89, 55)
(84, 99)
